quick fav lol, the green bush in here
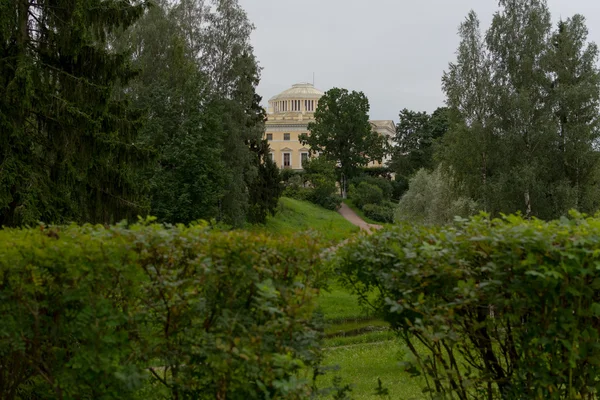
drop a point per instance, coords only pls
(433, 198)
(365, 193)
(385, 185)
(489, 309)
(295, 188)
(325, 199)
(149, 312)
(399, 187)
(380, 212)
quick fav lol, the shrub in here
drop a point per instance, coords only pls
(295, 188)
(380, 212)
(320, 174)
(399, 187)
(489, 309)
(434, 199)
(325, 199)
(365, 193)
(385, 185)
(150, 312)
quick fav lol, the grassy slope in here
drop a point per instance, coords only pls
(295, 216)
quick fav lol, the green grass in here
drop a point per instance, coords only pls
(337, 305)
(295, 216)
(362, 215)
(369, 337)
(361, 365)
(352, 326)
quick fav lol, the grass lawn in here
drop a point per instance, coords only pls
(337, 305)
(360, 344)
(361, 365)
(295, 216)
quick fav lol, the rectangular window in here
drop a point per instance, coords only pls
(304, 158)
(287, 160)
(286, 136)
(272, 156)
(269, 136)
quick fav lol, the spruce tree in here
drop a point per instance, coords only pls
(68, 145)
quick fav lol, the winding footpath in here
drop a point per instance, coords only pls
(354, 219)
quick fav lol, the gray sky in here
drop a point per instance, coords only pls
(395, 51)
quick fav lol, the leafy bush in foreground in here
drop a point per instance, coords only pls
(505, 308)
(150, 312)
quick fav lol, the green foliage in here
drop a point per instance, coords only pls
(380, 212)
(188, 178)
(384, 184)
(365, 193)
(295, 188)
(318, 184)
(524, 104)
(399, 187)
(416, 136)
(342, 132)
(504, 308)
(433, 198)
(69, 141)
(266, 190)
(154, 312)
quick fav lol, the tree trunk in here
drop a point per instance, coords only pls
(527, 204)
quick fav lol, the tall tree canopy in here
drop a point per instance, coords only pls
(524, 100)
(416, 135)
(342, 132)
(68, 143)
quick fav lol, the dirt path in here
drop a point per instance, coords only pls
(353, 218)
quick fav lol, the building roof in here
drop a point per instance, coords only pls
(299, 91)
(387, 125)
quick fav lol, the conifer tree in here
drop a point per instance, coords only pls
(68, 143)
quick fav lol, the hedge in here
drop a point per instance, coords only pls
(152, 312)
(489, 309)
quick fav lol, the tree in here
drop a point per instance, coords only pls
(521, 100)
(267, 188)
(342, 132)
(416, 135)
(68, 145)
(469, 146)
(188, 179)
(227, 57)
(203, 118)
(574, 97)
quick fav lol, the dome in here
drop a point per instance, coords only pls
(299, 91)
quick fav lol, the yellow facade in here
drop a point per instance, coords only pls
(289, 114)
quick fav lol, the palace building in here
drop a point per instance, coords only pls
(289, 114)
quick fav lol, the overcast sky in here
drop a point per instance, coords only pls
(395, 51)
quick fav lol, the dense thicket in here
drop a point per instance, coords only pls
(524, 101)
(489, 309)
(154, 313)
